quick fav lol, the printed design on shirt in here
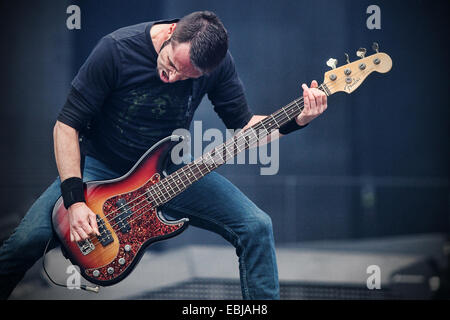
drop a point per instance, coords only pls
(165, 102)
(150, 113)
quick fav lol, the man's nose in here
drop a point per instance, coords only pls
(173, 76)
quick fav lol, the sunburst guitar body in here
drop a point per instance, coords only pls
(127, 218)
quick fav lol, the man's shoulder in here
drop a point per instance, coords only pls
(129, 31)
(136, 29)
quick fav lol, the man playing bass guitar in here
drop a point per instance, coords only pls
(137, 86)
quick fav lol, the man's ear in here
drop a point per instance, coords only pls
(172, 28)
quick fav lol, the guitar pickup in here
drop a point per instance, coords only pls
(121, 218)
(105, 236)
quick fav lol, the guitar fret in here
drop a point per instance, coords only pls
(296, 104)
(275, 121)
(230, 153)
(163, 188)
(150, 194)
(262, 123)
(255, 133)
(210, 156)
(180, 179)
(216, 157)
(287, 115)
(193, 174)
(236, 143)
(170, 184)
(189, 182)
(159, 192)
(206, 166)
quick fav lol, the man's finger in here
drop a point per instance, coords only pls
(87, 229)
(76, 236)
(314, 84)
(305, 88)
(93, 223)
(305, 97)
(312, 100)
(324, 102)
(81, 233)
(318, 99)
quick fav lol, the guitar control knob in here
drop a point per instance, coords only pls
(376, 61)
(362, 66)
(121, 261)
(110, 270)
(96, 273)
(333, 77)
(127, 248)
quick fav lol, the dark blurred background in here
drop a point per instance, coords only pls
(376, 164)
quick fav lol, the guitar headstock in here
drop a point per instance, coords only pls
(350, 76)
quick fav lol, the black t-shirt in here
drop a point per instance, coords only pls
(121, 107)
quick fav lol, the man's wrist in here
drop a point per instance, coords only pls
(76, 205)
(300, 123)
(72, 191)
(291, 126)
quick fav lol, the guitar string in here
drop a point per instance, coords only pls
(233, 141)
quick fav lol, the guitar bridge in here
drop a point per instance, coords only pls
(85, 246)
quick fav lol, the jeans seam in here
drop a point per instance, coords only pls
(228, 229)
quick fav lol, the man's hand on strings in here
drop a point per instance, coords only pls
(315, 103)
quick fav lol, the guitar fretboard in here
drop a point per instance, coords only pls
(180, 180)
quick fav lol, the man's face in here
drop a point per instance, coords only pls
(174, 63)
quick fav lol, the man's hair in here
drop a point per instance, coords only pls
(207, 37)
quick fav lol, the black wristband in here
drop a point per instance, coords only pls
(290, 126)
(72, 191)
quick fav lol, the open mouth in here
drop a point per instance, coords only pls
(164, 77)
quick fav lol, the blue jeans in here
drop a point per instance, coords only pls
(211, 203)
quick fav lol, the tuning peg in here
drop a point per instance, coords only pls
(375, 47)
(332, 63)
(361, 52)
(347, 58)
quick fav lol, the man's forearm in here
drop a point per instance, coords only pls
(67, 151)
(272, 137)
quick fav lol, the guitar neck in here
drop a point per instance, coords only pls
(181, 179)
